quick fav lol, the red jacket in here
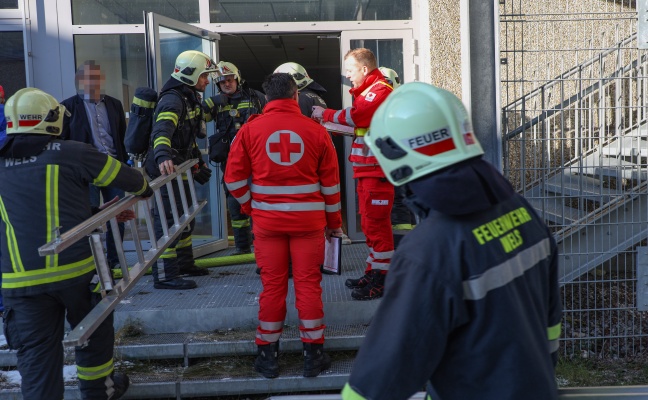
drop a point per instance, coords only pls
(366, 99)
(293, 169)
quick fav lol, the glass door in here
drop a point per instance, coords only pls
(393, 49)
(165, 39)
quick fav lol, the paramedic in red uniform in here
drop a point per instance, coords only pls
(375, 193)
(294, 200)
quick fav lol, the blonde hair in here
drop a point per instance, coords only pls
(364, 57)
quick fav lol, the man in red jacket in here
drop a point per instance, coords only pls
(375, 193)
(294, 200)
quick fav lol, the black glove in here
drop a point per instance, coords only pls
(202, 175)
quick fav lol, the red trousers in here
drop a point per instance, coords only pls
(273, 251)
(375, 200)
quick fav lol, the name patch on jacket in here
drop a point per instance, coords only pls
(432, 143)
(379, 202)
(285, 147)
(370, 96)
(503, 228)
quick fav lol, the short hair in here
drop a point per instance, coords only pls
(80, 72)
(363, 57)
(279, 86)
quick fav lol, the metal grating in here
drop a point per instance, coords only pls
(575, 86)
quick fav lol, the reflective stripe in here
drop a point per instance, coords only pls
(329, 190)
(209, 102)
(186, 242)
(162, 141)
(245, 198)
(381, 255)
(13, 280)
(380, 265)
(402, 227)
(12, 245)
(169, 116)
(360, 132)
(336, 116)
(143, 103)
(311, 323)
(553, 332)
(506, 272)
(169, 252)
(332, 207)
(143, 189)
(357, 164)
(271, 326)
(297, 189)
(349, 120)
(240, 223)
(51, 209)
(93, 373)
(311, 335)
(349, 394)
(268, 337)
(108, 173)
(355, 151)
(236, 185)
(314, 206)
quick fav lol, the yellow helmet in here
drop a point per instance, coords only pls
(31, 110)
(298, 73)
(420, 129)
(391, 76)
(190, 65)
(227, 68)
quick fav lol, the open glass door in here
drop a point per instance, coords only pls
(393, 49)
(165, 39)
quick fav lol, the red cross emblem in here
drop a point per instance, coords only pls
(285, 147)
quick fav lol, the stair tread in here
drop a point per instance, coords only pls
(628, 146)
(553, 209)
(579, 185)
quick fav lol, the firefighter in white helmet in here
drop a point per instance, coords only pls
(179, 120)
(402, 218)
(44, 184)
(310, 92)
(229, 110)
(473, 291)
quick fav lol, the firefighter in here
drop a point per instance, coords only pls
(472, 305)
(310, 92)
(229, 110)
(294, 199)
(179, 120)
(402, 218)
(44, 187)
(375, 193)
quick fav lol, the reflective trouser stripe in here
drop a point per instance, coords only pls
(312, 330)
(92, 373)
(186, 242)
(240, 223)
(349, 394)
(268, 332)
(13, 280)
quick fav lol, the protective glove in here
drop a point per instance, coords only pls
(202, 174)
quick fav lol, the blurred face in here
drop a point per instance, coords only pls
(203, 81)
(91, 83)
(228, 85)
(355, 72)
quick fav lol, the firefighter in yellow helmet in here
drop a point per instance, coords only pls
(473, 290)
(229, 110)
(310, 92)
(44, 185)
(179, 120)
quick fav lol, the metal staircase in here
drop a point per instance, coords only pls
(595, 202)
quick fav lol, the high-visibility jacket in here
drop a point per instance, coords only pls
(366, 99)
(45, 193)
(295, 183)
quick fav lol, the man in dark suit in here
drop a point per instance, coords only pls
(99, 120)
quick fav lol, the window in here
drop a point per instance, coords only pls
(12, 62)
(88, 12)
(8, 4)
(230, 11)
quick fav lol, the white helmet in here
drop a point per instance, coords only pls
(190, 65)
(391, 76)
(31, 110)
(420, 129)
(227, 68)
(298, 73)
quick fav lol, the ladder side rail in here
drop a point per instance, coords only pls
(65, 240)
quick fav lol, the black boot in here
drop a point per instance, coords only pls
(358, 283)
(121, 382)
(373, 290)
(267, 361)
(175, 284)
(315, 360)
